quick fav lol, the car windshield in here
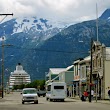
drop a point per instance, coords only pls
(29, 91)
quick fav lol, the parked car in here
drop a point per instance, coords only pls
(29, 95)
(41, 93)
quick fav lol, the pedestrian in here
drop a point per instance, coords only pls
(100, 94)
(92, 94)
(82, 97)
(109, 93)
(85, 94)
(67, 92)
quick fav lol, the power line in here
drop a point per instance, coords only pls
(47, 50)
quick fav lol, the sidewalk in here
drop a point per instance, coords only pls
(102, 101)
(12, 98)
(94, 101)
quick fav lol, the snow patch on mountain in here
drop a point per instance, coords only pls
(24, 25)
(34, 24)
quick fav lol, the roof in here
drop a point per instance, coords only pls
(96, 43)
(29, 88)
(77, 61)
(69, 67)
(86, 59)
(56, 83)
(57, 70)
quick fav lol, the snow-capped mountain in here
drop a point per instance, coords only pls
(26, 33)
(39, 44)
(32, 24)
(37, 27)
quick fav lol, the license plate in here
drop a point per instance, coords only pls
(30, 97)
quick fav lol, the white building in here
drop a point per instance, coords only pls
(53, 74)
(19, 76)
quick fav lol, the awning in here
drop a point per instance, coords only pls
(84, 81)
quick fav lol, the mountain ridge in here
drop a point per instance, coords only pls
(105, 15)
(59, 50)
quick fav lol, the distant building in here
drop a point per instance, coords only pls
(53, 74)
(19, 76)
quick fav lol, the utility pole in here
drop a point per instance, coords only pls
(90, 72)
(2, 70)
(2, 77)
(97, 22)
(2, 67)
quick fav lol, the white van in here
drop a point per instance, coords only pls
(56, 91)
(29, 95)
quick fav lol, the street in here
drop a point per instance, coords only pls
(12, 101)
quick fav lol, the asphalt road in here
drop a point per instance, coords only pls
(13, 102)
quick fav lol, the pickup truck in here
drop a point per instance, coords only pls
(41, 93)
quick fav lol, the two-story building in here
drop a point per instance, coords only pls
(76, 82)
(67, 76)
(101, 68)
(84, 74)
(61, 75)
(81, 75)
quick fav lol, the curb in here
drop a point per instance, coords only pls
(103, 102)
(108, 102)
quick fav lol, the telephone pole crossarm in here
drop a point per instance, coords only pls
(6, 14)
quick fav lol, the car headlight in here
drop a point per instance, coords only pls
(35, 97)
(24, 98)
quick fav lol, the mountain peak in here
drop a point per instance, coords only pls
(105, 15)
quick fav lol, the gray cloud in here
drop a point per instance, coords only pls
(60, 10)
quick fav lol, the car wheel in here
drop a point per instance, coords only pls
(36, 102)
(50, 100)
(22, 102)
(47, 99)
(62, 100)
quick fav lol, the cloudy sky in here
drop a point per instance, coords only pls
(69, 11)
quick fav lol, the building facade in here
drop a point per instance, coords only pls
(81, 75)
(67, 76)
(19, 76)
(76, 82)
(101, 69)
(84, 74)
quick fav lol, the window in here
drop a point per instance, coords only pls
(33, 91)
(83, 72)
(100, 62)
(77, 69)
(49, 88)
(58, 87)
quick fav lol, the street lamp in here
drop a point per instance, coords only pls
(2, 69)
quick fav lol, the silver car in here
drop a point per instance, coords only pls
(29, 95)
